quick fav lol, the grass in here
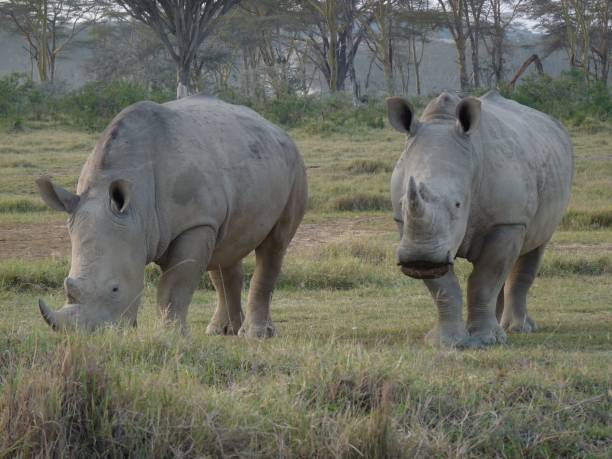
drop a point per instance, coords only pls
(348, 374)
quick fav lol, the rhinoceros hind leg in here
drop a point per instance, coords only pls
(498, 255)
(268, 260)
(228, 315)
(515, 317)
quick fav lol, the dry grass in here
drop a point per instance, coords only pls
(348, 375)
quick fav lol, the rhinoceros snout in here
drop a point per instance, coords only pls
(424, 267)
(72, 290)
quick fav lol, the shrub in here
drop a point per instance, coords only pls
(569, 97)
(96, 103)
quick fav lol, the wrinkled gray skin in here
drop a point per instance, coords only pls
(192, 185)
(483, 179)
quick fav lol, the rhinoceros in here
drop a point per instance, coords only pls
(486, 179)
(191, 185)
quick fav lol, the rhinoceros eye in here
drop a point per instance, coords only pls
(457, 205)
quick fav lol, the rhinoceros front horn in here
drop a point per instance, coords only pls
(48, 314)
(415, 201)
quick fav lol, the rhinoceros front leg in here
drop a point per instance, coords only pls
(498, 255)
(450, 330)
(227, 318)
(515, 317)
(182, 267)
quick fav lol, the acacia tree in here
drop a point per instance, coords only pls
(129, 51)
(414, 22)
(182, 26)
(334, 30)
(49, 26)
(454, 20)
(500, 15)
(474, 11)
(380, 38)
(270, 36)
(583, 28)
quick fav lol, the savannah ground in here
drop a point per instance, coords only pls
(348, 374)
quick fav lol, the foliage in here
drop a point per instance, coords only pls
(91, 107)
(19, 96)
(569, 97)
(96, 103)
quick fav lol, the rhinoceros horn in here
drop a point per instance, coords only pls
(57, 320)
(415, 201)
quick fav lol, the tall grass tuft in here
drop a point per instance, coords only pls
(361, 202)
(585, 220)
(368, 166)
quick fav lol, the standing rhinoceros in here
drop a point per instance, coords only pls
(192, 185)
(483, 179)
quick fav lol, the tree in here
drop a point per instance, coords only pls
(473, 11)
(414, 22)
(182, 26)
(380, 37)
(334, 30)
(583, 28)
(454, 11)
(270, 37)
(130, 51)
(49, 26)
(500, 16)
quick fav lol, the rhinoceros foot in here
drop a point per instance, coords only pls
(484, 336)
(256, 331)
(215, 329)
(517, 325)
(447, 336)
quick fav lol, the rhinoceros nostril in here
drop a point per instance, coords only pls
(71, 289)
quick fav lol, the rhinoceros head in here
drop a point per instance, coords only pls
(108, 255)
(432, 183)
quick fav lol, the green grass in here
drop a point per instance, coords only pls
(348, 374)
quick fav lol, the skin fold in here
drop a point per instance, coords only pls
(192, 185)
(483, 179)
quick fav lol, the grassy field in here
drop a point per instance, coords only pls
(348, 375)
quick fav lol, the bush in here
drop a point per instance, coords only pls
(96, 103)
(20, 97)
(568, 98)
(316, 114)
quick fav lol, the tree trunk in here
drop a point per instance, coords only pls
(183, 88)
(461, 61)
(417, 66)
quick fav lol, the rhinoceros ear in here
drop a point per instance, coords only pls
(468, 115)
(401, 115)
(56, 197)
(120, 191)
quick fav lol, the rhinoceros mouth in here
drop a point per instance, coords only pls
(425, 269)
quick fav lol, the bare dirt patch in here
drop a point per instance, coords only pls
(575, 247)
(38, 241)
(34, 241)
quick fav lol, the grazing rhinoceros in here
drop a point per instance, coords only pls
(192, 185)
(483, 179)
